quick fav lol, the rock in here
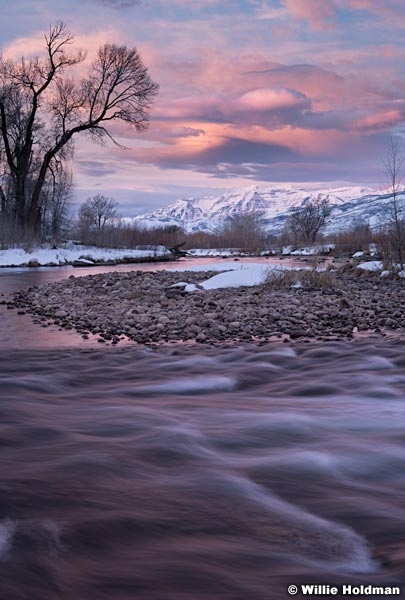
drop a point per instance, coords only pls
(163, 320)
(195, 329)
(392, 323)
(297, 333)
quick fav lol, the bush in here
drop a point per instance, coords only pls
(390, 247)
(122, 235)
(304, 278)
(353, 240)
(245, 231)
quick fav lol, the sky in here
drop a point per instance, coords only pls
(251, 92)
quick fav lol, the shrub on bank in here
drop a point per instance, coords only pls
(303, 278)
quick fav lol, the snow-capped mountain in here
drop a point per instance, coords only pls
(350, 206)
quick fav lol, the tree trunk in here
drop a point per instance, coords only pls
(20, 202)
(3, 202)
(34, 217)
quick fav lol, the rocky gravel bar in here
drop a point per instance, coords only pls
(143, 307)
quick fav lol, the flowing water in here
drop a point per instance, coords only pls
(190, 473)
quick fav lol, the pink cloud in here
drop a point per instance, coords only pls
(392, 11)
(321, 13)
(172, 134)
(228, 151)
(265, 99)
(303, 108)
(361, 4)
(188, 107)
(324, 89)
(381, 120)
(318, 13)
(214, 81)
(387, 7)
(298, 139)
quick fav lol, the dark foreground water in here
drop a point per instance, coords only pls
(226, 474)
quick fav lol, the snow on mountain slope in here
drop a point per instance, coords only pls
(351, 205)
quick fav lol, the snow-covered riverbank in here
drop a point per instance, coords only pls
(71, 253)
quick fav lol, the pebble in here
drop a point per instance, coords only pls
(135, 305)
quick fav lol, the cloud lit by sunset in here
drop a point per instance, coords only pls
(250, 91)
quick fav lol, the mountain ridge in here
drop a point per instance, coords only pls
(351, 205)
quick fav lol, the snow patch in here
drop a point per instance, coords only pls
(235, 274)
(372, 265)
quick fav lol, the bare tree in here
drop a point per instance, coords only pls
(394, 164)
(305, 222)
(42, 108)
(97, 211)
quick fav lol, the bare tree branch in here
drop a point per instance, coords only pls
(42, 108)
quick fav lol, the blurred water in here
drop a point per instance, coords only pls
(218, 473)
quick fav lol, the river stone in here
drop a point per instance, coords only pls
(195, 329)
(163, 320)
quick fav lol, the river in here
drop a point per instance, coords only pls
(231, 473)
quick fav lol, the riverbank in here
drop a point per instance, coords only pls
(153, 307)
(78, 255)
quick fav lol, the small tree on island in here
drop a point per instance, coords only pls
(43, 106)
